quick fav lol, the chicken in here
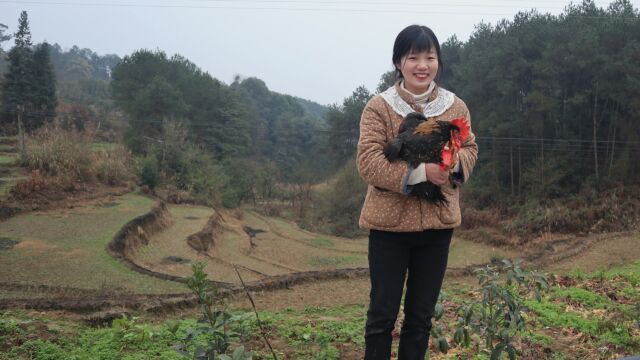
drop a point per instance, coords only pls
(428, 141)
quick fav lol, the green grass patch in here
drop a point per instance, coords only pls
(7, 148)
(125, 339)
(316, 333)
(7, 160)
(539, 339)
(585, 298)
(322, 242)
(629, 272)
(552, 314)
(103, 146)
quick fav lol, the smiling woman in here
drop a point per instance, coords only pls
(417, 59)
(407, 233)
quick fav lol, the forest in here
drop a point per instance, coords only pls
(553, 101)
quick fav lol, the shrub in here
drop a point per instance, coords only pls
(498, 317)
(213, 326)
(112, 166)
(56, 152)
(149, 173)
(339, 205)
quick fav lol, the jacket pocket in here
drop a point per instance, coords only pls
(383, 208)
(450, 213)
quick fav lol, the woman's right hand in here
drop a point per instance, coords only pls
(435, 175)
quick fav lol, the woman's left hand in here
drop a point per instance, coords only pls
(435, 174)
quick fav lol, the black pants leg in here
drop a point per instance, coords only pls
(427, 265)
(424, 255)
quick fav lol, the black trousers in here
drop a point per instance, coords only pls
(391, 255)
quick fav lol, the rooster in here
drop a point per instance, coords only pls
(428, 141)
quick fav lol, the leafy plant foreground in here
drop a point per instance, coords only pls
(582, 316)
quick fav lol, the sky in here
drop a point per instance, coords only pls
(320, 50)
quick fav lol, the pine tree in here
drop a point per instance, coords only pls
(17, 89)
(3, 37)
(44, 95)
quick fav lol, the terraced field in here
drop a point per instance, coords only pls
(66, 248)
(10, 173)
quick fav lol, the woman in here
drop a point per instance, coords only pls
(409, 237)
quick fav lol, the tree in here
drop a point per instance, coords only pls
(344, 125)
(44, 86)
(386, 80)
(152, 88)
(17, 94)
(3, 37)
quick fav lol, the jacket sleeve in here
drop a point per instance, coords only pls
(373, 166)
(468, 153)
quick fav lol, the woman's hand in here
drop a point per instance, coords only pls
(435, 175)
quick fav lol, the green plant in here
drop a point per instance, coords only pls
(437, 331)
(150, 174)
(130, 331)
(214, 325)
(498, 316)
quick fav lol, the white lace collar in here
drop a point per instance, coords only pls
(438, 106)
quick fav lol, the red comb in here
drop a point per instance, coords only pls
(463, 125)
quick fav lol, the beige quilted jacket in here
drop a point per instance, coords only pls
(386, 207)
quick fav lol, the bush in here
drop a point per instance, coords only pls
(498, 315)
(112, 166)
(614, 209)
(214, 325)
(149, 173)
(339, 205)
(56, 152)
(177, 162)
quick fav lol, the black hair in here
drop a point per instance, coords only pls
(415, 39)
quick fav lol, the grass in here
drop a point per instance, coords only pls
(58, 339)
(333, 261)
(336, 332)
(6, 160)
(7, 148)
(588, 309)
(614, 252)
(322, 242)
(97, 146)
(67, 248)
(464, 253)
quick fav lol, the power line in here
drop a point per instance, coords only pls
(294, 9)
(488, 141)
(375, 3)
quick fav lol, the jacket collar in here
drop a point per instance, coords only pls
(408, 97)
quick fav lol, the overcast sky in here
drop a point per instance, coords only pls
(313, 49)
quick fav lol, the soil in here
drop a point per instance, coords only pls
(35, 245)
(53, 197)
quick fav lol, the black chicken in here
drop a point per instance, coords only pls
(427, 141)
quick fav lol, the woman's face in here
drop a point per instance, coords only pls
(419, 70)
